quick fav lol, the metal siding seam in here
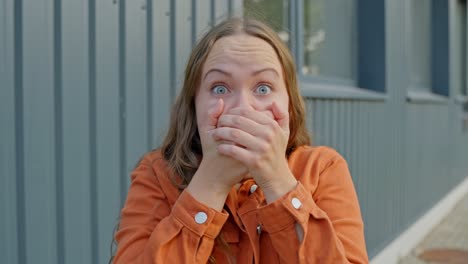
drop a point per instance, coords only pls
(122, 101)
(387, 135)
(172, 39)
(298, 34)
(328, 136)
(349, 131)
(193, 27)
(161, 76)
(320, 123)
(58, 131)
(183, 42)
(135, 92)
(203, 17)
(367, 160)
(313, 120)
(230, 8)
(342, 127)
(375, 128)
(363, 145)
(8, 203)
(149, 73)
(19, 130)
(93, 131)
(222, 11)
(108, 122)
(345, 130)
(379, 172)
(409, 149)
(310, 116)
(75, 132)
(213, 13)
(335, 111)
(331, 120)
(362, 156)
(373, 176)
(310, 113)
(338, 125)
(354, 147)
(322, 118)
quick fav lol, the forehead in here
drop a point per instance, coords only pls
(242, 50)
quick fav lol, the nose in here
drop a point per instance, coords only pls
(243, 99)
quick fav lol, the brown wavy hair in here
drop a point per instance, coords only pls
(181, 147)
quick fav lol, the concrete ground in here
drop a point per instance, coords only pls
(451, 235)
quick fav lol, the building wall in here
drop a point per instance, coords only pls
(86, 88)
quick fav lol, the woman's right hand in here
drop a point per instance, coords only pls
(217, 173)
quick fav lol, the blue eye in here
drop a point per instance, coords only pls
(263, 89)
(219, 89)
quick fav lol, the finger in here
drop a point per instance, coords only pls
(257, 116)
(238, 137)
(240, 154)
(280, 116)
(242, 123)
(215, 113)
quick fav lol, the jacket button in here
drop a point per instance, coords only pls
(296, 203)
(201, 217)
(253, 188)
(259, 229)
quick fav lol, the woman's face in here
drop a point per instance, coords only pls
(245, 72)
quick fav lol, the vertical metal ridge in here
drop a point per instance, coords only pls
(194, 23)
(172, 47)
(297, 18)
(230, 8)
(122, 101)
(58, 131)
(149, 71)
(92, 130)
(213, 13)
(19, 130)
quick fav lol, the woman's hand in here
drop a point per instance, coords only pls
(217, 173)
(259, 142)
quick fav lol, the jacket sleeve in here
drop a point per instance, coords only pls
(330, 219)
(151, 232)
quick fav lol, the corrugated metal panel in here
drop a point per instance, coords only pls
(109, 142)
(160, 81)
(75, 129)
(39, 132)
(392, 194)
(86, 89)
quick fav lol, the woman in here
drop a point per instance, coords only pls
(235, 180)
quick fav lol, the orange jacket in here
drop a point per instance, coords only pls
(160, 224)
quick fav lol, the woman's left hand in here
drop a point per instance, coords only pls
(259, 142)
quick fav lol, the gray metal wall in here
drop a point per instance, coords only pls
(85, 90)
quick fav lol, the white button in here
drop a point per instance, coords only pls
(253, 188)
(201, 217)
(259, 229)
(296, 203)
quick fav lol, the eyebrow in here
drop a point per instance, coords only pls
(217, 70)
(230, 75)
